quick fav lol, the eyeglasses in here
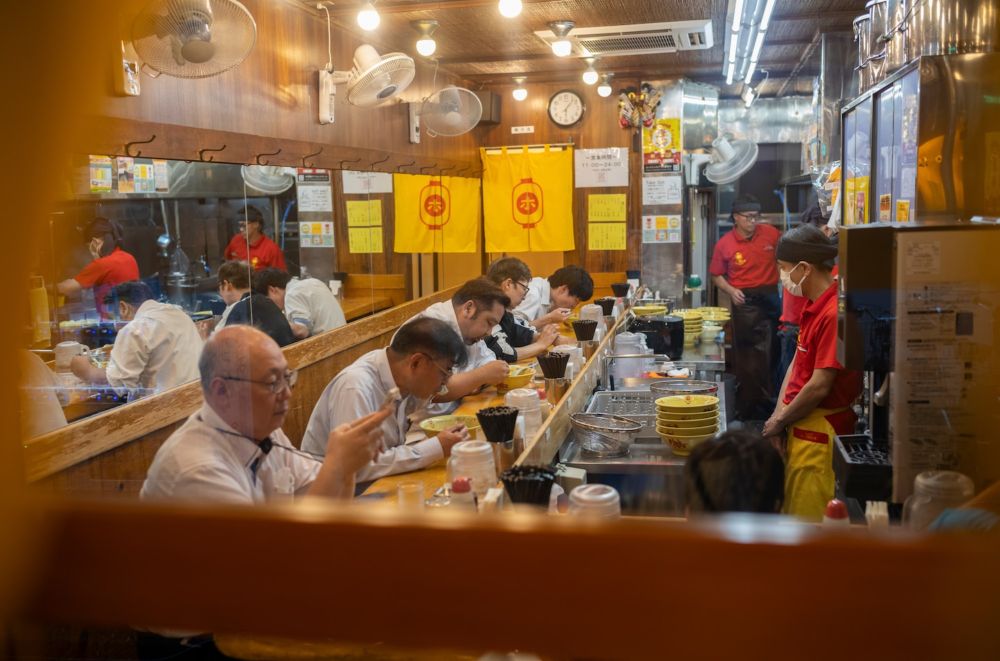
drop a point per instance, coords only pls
(522, 285)
(274, 387)
(447, 374)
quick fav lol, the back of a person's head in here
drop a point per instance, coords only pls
(433, 337)
(508, 268)
(578, 282)
(737, 471)
(235, 273)
(807, 243)
(483, 292)
(270, 277)
(133, 292)
(252, 215)
(108, 231)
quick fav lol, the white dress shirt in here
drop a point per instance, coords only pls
(537, 300)
(157, 350)
(207, 461)
(310, 303)
(219, 325)
(41, 411)
(357, 391)
(479, 353)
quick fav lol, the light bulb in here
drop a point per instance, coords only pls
(604, 90)
(368, 17)
(426, 47)
(562, 48)
(590, 77)
(509, 8)
(520, 94)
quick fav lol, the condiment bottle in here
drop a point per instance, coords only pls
(462, 496)
(836, 514)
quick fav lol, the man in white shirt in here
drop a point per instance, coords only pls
(472, 312)
(551, 301)
(420, 360)
(157, 350)
(309, 304)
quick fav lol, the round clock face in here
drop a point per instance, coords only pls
(566, 108)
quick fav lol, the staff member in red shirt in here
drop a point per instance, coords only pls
(743, 267)
(815, 400)
(263, 252)
(111, 266)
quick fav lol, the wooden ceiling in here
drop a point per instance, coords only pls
(476, 43)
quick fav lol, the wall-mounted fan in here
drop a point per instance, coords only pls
(375, 78)
(730, 159)
(193, 38)
(449, 111)
(268, 179)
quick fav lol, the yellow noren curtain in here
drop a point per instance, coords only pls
(436, 214)
(528, 200)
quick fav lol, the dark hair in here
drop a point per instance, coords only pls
(578, 282)
(737, 471)
(236, 273)
(270, 277)
(108, 231)
(813, 216)
(133, 292)
(433, 337)
(251, 215)
(745, 203)
(483, 292)
(807, 243)
(508, 267)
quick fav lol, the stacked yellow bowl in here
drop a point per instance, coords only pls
(717, 315)
(684, 421)
(693, 320)
(649, 310)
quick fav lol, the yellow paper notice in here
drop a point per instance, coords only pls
(606, 236)
(364, 239)
(606, 208)
(902, 211)
(364, 213)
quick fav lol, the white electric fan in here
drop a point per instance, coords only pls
(193, 38)
(730, 159)
(375, 78)
(268, 179)
(450, 111)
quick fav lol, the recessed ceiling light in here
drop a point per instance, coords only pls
(368, 17)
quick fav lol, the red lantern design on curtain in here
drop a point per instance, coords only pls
(435, 204)
(528, 203)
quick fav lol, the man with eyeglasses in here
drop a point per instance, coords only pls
(233, 449)
(419, 362)
(251, 245)
(513, 339)
(743, 266)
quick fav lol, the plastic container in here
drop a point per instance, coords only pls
(596, 313)
(474, 460)
(933, 493)
(527, 401)
(595, 501)
(835, 514)
(462, 495)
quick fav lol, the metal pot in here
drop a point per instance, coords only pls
(862, 37)
(182, 290)
(946, 27)
(896, 35)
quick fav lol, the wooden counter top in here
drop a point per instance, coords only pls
(359, 306)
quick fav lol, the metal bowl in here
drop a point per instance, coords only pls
(668, 387)
(604, 435)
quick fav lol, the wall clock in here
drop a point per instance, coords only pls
(566, 108)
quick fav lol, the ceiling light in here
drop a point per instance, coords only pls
(604, 89)
(730, 72)
(368, 17)
(750, 71)
(765, 18)
(748, 95)
(520, 94)
(425, 45)
(562, 46)
(738, 16)
(590, 76)
(510, 8)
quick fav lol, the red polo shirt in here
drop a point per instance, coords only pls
(817, 349)
(104, 273)
(263, 254)
(792, 305)
(747, 263)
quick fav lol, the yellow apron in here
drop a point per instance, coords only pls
(809, 482)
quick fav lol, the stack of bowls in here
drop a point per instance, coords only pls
(693, 320)
(719, 316)
(684, 421)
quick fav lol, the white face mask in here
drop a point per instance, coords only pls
(795, 289)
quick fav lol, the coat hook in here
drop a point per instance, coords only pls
(443, 170)
(429, 167)
(374, 163)
(273, 153)
(128, 146)
(201, 154)
(405, 165)
(310, 156)
(341, 166)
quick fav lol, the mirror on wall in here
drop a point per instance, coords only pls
(167, 227)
